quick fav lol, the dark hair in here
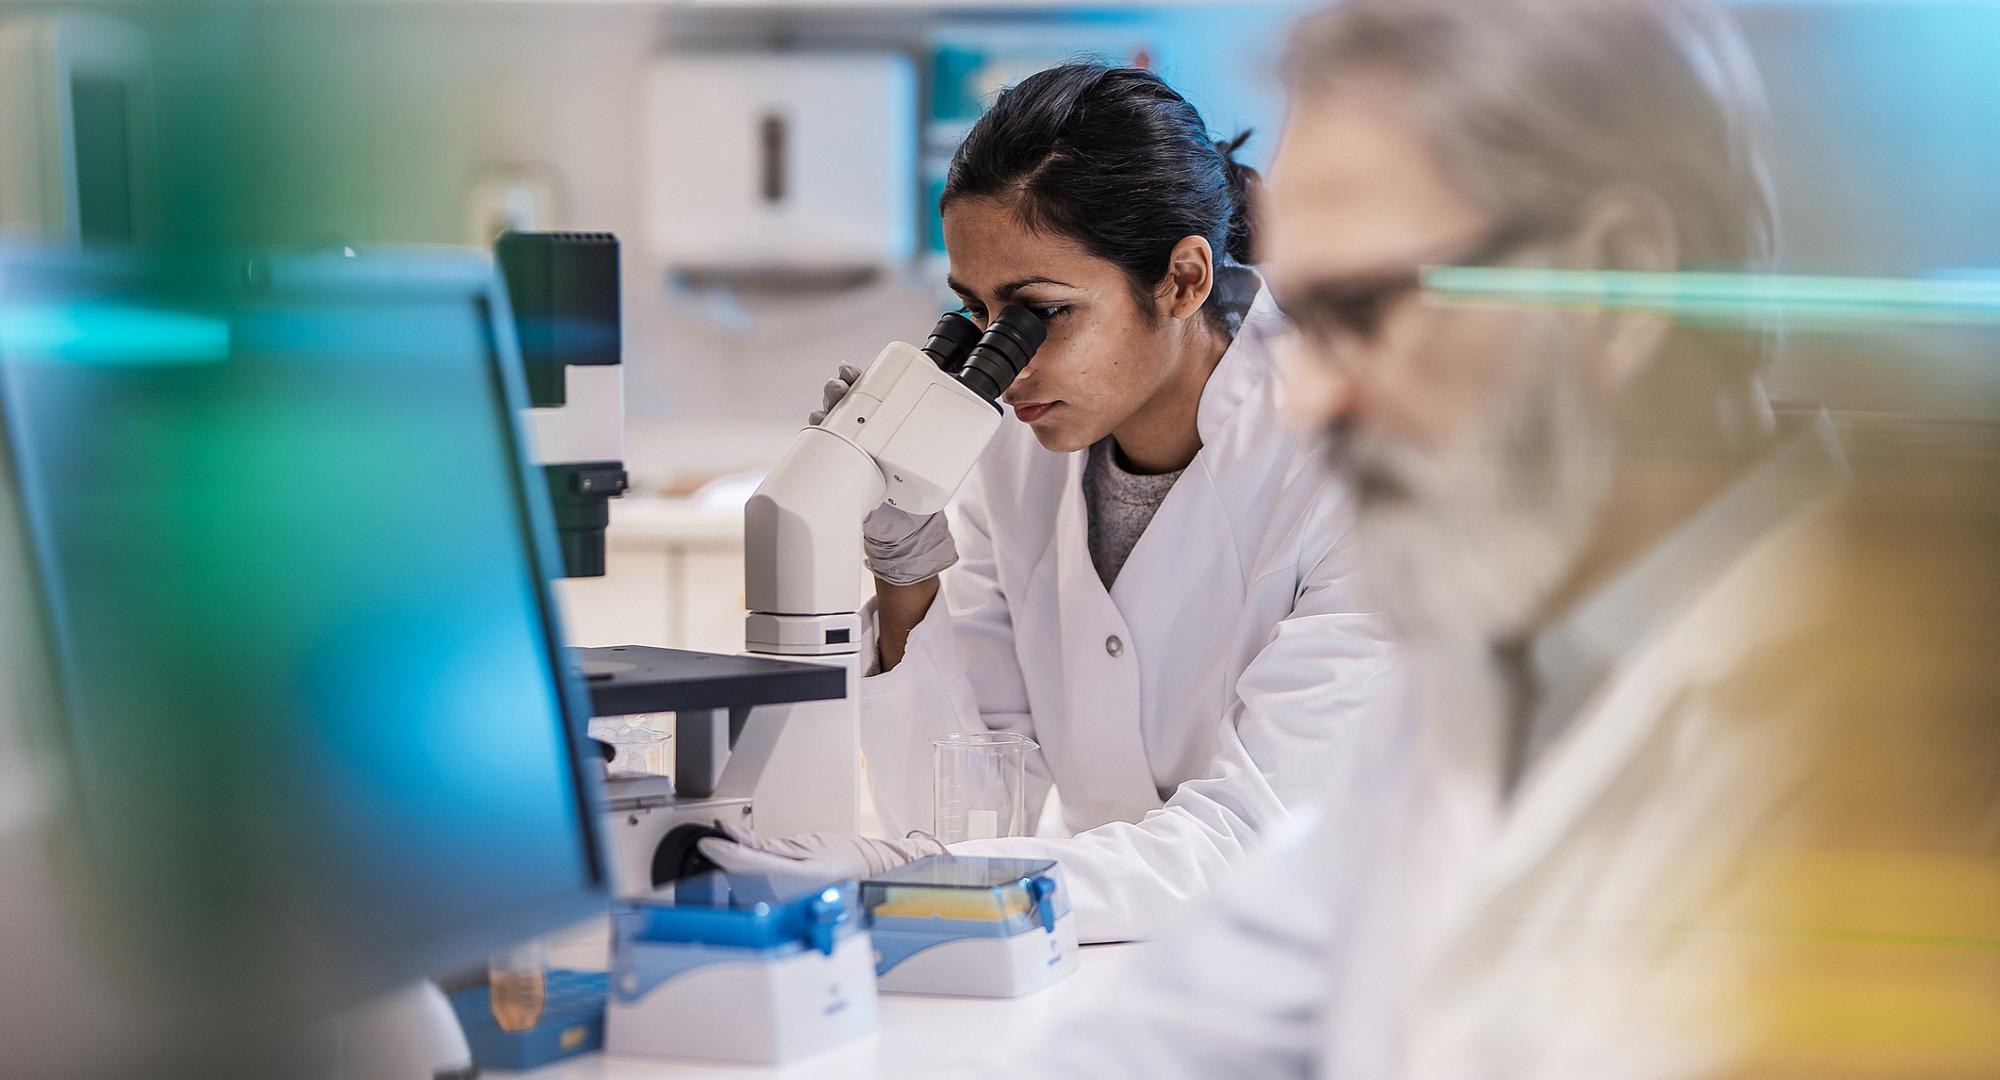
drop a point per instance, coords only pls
(1115, 159)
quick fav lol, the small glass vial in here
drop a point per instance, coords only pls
(518, 980)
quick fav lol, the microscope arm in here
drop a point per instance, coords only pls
(802, 528)
(906, 434)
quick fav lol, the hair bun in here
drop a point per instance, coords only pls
(1244, 183)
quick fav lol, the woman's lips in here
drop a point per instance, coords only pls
(1032, 411)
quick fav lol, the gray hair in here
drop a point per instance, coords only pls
(1535, 105)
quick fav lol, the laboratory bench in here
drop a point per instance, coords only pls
(918, 1035)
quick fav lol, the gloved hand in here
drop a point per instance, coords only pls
(899, 548)
(822, 855)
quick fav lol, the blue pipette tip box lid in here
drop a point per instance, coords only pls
(746, 911)
(572, 1023)
(963, 896)
(719, 918)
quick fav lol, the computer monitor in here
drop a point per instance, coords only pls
(296, 572)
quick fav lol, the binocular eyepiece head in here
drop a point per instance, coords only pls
(988, 362)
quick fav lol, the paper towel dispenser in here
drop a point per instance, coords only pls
(775, 163)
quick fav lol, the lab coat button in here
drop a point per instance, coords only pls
(1114, 646)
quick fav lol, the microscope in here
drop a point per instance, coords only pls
(906, 434)
(780, 750)
(563, 289)
(769, 739)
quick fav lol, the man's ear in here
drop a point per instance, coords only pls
(1628, 229)
(1190, 278)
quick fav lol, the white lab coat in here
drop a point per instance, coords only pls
(1656, 900)
(1183, 714)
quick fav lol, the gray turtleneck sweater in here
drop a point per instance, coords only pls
(1121, 504)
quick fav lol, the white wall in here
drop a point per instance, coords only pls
(376, 119)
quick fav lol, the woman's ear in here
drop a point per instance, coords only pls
(1190, 278)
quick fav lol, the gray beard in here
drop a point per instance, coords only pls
(1474, 540)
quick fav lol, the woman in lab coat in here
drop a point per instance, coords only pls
(1146, 575)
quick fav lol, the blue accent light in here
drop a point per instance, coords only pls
(112, 335)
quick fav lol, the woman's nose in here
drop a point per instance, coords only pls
(1023, 381)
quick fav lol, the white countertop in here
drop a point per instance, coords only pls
(918, 1035)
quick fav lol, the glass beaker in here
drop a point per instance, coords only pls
(979, 785)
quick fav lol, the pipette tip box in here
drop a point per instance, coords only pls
(740, 967)
(971, 927)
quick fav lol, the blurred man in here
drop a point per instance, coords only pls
(1701, 775)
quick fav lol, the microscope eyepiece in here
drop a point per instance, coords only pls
(1009, 343)
(951, 341)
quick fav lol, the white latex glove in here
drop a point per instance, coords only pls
(830, 856)
(900, 548)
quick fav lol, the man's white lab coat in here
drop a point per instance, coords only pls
(1670, 892)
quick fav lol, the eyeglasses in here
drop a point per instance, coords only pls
(1353, 308)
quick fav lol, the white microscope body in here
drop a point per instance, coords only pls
(907, 434)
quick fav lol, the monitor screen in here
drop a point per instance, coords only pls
(297, 577)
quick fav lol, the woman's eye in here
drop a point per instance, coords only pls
(1049, 312)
